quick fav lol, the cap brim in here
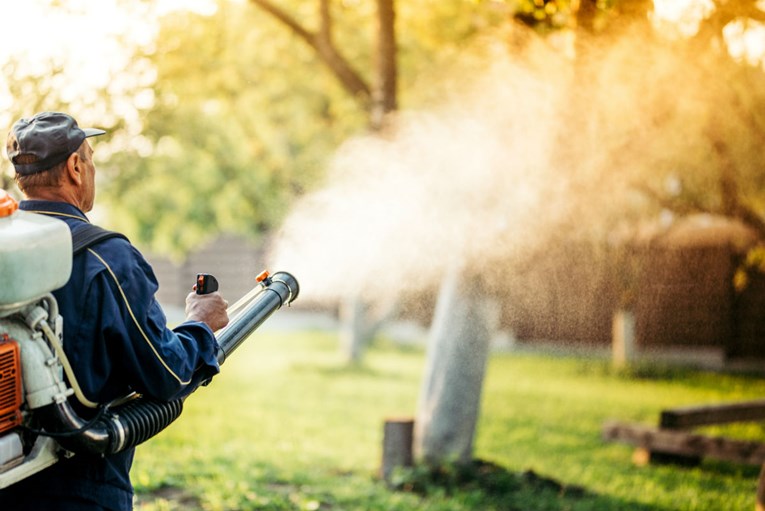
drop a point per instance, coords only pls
(93, 132)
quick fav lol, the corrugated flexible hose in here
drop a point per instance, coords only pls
(139, 419)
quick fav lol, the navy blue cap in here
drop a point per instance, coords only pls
(45, 140)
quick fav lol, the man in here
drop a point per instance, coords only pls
(115, 333)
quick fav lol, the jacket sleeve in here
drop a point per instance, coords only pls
(137, 345)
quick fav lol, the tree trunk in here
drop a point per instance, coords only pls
(456, 360)
(353, 329)
(585, 16)
(384, 98)
(321, 42)
(360, 321)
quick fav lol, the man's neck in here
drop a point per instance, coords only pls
(53, 194)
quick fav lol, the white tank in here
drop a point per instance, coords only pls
(35, 253)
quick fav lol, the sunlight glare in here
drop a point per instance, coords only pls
(96, 36)
(99, 41)
(746, 41)
(203, 7)
(684, 15)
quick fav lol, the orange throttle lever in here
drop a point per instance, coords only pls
(263, 278)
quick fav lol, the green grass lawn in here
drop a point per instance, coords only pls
(287, 425)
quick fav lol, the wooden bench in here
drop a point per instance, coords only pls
(674, 441)
(674, 438)
(692, 416)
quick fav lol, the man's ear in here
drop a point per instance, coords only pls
(73, 168)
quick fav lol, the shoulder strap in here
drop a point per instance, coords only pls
(89, 235)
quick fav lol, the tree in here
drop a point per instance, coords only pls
(229, 142)
(436, 30)
(726, 133)
(99, 86)
(746, 84)
(376, 101)
(39, 87)
(622, 130)
(457, 353)
(28, 93)
(379, 100)
(285, 110)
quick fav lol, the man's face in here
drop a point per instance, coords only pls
(88, 171)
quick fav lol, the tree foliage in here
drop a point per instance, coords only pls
(32, 89)
(246, 114)
(241, 122)
(677, 118)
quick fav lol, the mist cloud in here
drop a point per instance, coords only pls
(519, 158)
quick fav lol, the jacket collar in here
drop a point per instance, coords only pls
(58, 209)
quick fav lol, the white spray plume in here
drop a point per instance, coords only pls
(455, 186)
(523, 153)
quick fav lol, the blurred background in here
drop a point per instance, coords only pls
(580, 156)
(549, 171)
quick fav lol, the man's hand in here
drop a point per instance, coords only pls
(209, 309)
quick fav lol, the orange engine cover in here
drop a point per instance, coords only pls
(10, 384)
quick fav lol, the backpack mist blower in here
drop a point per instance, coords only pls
(38, 425)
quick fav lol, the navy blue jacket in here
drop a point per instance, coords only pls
(116, 339)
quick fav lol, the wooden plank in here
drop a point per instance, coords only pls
(683, 443)
(642, 457)
(691, 416)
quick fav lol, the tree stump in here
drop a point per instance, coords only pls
(397, 446)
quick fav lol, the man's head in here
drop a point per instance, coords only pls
(50, 154)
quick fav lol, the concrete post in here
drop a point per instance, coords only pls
(623, 338)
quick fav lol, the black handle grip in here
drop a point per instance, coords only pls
(206, 284)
